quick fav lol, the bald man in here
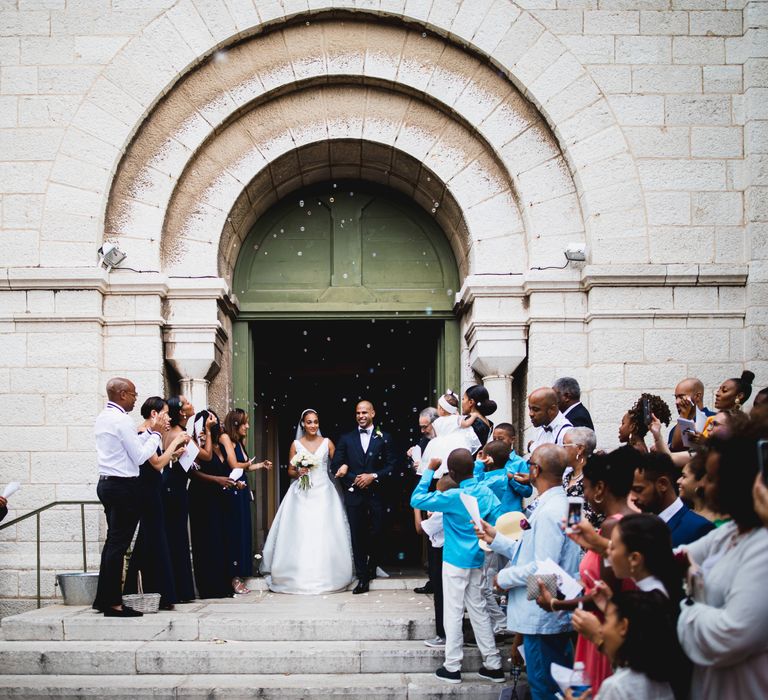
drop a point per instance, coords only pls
(119, 452)
(362, 459)
(689, 401)
(547, 418)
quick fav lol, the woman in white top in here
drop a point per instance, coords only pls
(638, 636)
(725, 631)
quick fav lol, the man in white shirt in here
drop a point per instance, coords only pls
(120, 450)
(546, 416)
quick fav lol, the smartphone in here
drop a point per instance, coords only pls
(762, 459)
(575, 512)
(647, 417)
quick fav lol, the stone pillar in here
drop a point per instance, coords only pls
(196, 391)
(500, 390)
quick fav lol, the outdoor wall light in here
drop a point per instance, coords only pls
(111, 255)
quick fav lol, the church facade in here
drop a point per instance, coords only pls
(427, 164)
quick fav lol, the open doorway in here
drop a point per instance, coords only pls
(329, 365)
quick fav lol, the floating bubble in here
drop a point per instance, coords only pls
(265, 253)
(274, 235)
(220, 57)
(436, 205)
(449, 292)
(256, 247)
(282, 230)
(426, 399)
(429, 179)
(351, 194)
(384, 403)
(427, 311)
(394, 386)
(305, 349)
(299, 253)
(414, 409)
(433, 210)
(371, 370)
(368, 345)
(332, 200)
(373, 255)
(309, 212)
(335, 185)
(301, 202)
(304, 332)
(344, 399)
(301, 228)
(423, 35)
(345, 275)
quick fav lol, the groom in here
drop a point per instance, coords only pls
(364, 457)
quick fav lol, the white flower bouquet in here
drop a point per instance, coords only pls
(304, 460)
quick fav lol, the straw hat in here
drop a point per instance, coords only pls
(510, 525)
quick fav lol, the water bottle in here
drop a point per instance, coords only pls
(580, 681)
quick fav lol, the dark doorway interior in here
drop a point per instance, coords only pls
(329, 365)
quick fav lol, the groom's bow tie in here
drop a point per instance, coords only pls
(363, 431)
(547, 428)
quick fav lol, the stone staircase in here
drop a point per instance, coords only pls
(259, 645)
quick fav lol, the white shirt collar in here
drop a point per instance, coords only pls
(570, 408)
(651, 583)
(668, 513)
(112, 404)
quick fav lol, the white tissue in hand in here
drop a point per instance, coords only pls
(12, 488)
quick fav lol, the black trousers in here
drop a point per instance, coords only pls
(435, 569)
(366, 523)
(122, 501)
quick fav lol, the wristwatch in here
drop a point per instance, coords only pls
(375, 476)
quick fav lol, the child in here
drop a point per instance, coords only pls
(450, 421)
(462, 562)
(433, 527)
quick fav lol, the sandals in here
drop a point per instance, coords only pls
(239, 585)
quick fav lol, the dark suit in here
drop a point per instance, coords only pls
(365, 507)
(579, 417)
(687, 526)
(3, 511)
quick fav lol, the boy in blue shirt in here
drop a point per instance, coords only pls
(462, 564)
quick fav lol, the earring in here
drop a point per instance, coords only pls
(598, 501)
(737, 402)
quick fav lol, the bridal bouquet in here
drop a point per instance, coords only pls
(304, 460)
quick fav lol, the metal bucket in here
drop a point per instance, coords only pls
(78, 589)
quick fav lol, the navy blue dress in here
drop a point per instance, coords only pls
(209, 506)
(176, 507)
(241, 538)
(151, 555)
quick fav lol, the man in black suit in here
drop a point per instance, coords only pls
(569, 402)
(364, 457)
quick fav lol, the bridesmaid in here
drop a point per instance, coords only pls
(476, 402)
(209, 500)
(151, 555)
(176, 502)
(240, 538)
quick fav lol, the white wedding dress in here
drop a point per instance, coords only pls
(309, 546)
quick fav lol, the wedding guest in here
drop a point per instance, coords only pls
(580, 444)
(634, 427)
(689, 400)
(653, 491)
(546, 636)
(691, 489)
(638, 637)
(546, 416)
(606, 484)
(476, 401)
(209, 508)
(119, 452)
(426, 418)
(176, 502)
(724, 629)
(151, 555)
(232, 442)
(506, 433)
(723, 424)
(462, 565)
(568, 394)
(759, 411)
(734, 392)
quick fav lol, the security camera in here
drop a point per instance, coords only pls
(576, 252)
(111, 255)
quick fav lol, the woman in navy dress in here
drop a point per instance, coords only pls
(210, 498)
(176, 503)
(476, 401)
(151, 555)
(241, 538)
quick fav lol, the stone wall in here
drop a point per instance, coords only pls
(637, 127)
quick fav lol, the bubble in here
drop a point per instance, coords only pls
(423, 35)
(274, 235)
(449, 292)
(304, 332)
(220, 57)
(433, 210)
(309, 212)
(299, 253)
(351, 194)
(335, 185)
(307, 23)
(344, 399)
(305, 349)
(256, 247)
(345, 275)
(371, 371)
(301, 202)
(332, 200)
(436, 205)
(426, 399)
(429, 179)
(282, 230)
(414, 409)
(301, 228)
(373, 255)
(368, 345)
(384, 403)
(265, 253)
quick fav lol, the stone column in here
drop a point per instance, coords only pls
(500, 390)
(196, 391)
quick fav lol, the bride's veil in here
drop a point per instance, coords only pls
(300, 426)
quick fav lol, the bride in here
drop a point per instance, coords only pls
(309, 547)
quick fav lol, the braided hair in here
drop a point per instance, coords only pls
(659, 408)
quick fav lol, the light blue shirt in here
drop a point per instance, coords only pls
(508, 491)
(545, 539)
(461, 547)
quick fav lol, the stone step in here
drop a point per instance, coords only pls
(235, 626)
(379, 686)
(392, 583)
(222, 657)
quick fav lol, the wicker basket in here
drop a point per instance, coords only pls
(143, 602)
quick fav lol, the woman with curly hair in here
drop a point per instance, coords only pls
(635, 424)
